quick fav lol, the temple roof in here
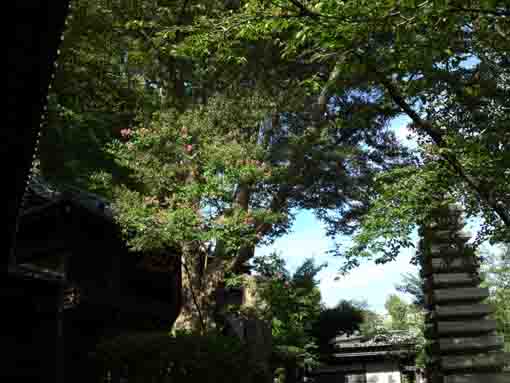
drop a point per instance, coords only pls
(387, 340)
(42, 197)
(41, 194)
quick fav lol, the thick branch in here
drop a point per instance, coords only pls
(277, 204)
(304, 11)
(438, 139)
(243, 202)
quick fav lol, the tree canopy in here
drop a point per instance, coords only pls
(209, 124)
(444, 65)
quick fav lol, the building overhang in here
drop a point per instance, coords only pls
(373, 354)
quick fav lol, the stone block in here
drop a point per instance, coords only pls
(449, 236)
(503, 377)
(481, 343)
(445, 249)
(453, 265)
(469, 362)
(470, 294)
(455, 279)
(467, 310)
(466, 327)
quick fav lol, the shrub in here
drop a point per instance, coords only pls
(184, 357)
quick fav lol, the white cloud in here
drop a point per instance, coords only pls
(364, 276)
(369, 282)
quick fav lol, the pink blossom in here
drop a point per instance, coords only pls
(126, 132)
(189, 148)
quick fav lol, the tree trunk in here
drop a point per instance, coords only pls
(198, 294)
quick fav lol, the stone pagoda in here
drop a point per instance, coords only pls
(463, 346)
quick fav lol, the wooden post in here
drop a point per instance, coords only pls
(34, 33)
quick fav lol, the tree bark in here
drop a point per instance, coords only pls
(198, 293)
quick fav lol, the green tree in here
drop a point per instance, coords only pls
(373, 323)
(117, 63)
(345, 318)
(292, 302)
(399, 311)
(216, 181)
(412, 284)
(94, 96)
(408, 59)
(224, 118)
(203, 156)
(495, 272)
(409, 318)
(404, 316)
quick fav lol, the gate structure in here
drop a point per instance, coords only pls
(463, 346)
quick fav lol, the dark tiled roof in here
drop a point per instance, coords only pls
(390, 338)
(30, 272)
(41, 194)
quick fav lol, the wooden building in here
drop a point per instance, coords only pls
(381, 359)
(74, 283)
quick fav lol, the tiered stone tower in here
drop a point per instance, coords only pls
(462, 343)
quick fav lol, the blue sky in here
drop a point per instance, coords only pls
(370, 282)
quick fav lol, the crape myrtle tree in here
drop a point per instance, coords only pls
(117, 62)
(444, 65)
(219, 179)
(206, 156)
(228, 116)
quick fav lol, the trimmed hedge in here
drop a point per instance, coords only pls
(184, 357)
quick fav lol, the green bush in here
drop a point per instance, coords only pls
(184, 357)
